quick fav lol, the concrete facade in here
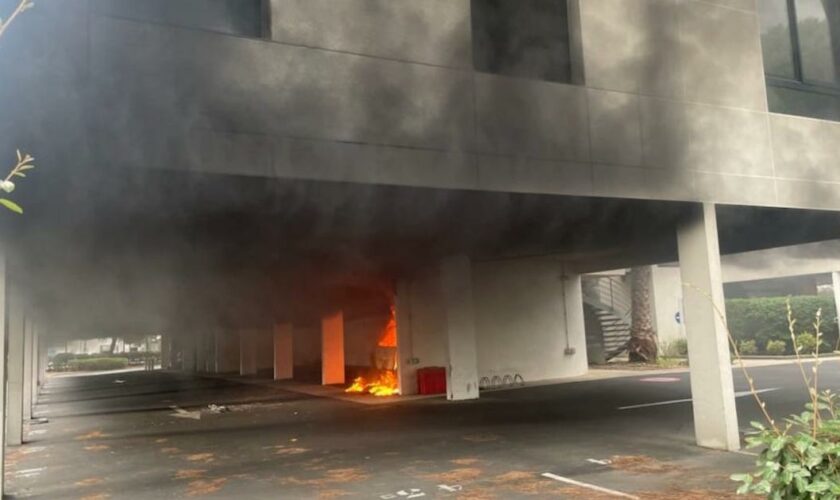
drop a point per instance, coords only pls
(381, 100)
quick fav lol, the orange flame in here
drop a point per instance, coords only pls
(385, 384)
(389, 333)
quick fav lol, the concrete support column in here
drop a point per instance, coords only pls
(715, 417)
(227, 352)
(456, 286)
(201, 353)
(332, 349)
(247, 352)
(36, 359)
(188, 357)
(14, 371)
(283, 352)
(835, 282)
(406, 370)
(5, 323)
(28, 358)
(165, 351)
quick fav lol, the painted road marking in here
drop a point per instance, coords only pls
(599, 462)
(587, 485)
(38, 431)
(660, 379)
(741, 394)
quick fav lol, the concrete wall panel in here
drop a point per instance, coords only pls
(632, 46)
(721, 54)
(534, 118)
(521, 320)
(431, 31)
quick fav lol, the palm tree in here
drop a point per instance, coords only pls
(642, 346)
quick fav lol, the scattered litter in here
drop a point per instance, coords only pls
(182, 413)
(412, 493)
(213, 408)
(450, 489)
(118, 381)
(293, 440)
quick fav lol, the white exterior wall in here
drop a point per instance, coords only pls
(521, 320)
(667, 305)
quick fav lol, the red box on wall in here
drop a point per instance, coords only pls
(431, 380)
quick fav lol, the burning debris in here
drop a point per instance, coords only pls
(383, 380)
(384, 384)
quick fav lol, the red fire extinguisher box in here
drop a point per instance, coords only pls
(431, 380)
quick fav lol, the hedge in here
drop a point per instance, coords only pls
(97, 364)
(765, 318)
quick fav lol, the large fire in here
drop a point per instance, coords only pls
(384, 382)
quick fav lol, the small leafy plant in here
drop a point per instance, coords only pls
(776, 347)
(807, 343)
(748, 347)
(24, 162)
(801, 459)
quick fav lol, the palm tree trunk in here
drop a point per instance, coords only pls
(642, 346)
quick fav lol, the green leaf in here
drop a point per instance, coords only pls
(14, 207)
(818, 487)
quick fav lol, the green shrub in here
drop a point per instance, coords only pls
(764, 319)
(776, 347)
(747, 347)
(807, 343)
(61, 359)
(800, 462)
(97, 364)
(681, 347)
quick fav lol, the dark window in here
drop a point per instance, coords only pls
(524, 38)
(236, 17)
(800, 40)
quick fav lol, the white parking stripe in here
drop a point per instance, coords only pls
(587, 485)
(741, 394)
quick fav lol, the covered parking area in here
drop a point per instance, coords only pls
(488, 284)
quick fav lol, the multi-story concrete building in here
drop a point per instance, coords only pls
(236, 171)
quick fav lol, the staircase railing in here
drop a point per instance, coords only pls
(611, 297)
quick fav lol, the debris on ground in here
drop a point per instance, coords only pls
(201, 487)
(214, 408)
(642, 464)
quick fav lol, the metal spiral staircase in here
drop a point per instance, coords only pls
(607, 307)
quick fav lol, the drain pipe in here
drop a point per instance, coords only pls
(569, 351)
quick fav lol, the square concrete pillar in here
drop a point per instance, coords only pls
(456, 287)
(28, 358)
(165, 350)
(36, 363)
(14, 373)
(188, 352)
(712, 390)
(406, 371)
(835, 282)
(332, 349)
(283, 351)
(5, 322)
(247, 352)
(227, 352)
